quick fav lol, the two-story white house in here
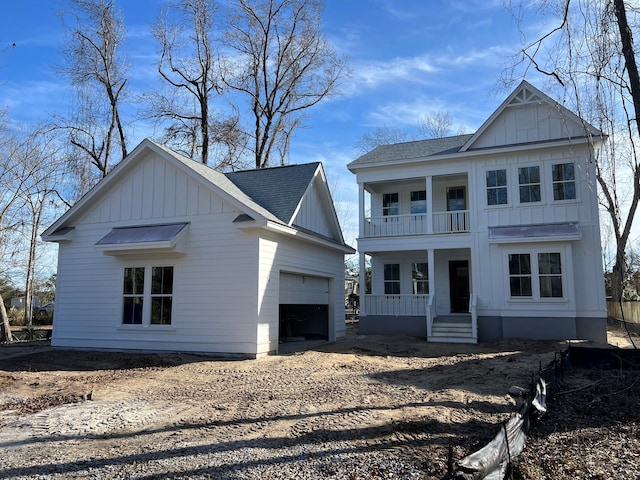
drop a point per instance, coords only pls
(488, 235)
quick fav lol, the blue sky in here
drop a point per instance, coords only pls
(407, 57)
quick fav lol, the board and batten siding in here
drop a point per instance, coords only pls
(289, 255)
(311, 214)
(214, 309)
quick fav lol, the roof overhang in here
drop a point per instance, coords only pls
(161, 238)
(550, 232)
(64, 234)
(309, 237)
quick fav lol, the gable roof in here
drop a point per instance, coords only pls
(444, 147)
(258, 194)
(526, 93)
(278, 189)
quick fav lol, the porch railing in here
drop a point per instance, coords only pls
(410, 305)
(417, 224)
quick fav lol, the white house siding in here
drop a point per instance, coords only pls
(515, 138)
(308, 216)
(280, 254)
(214, 310)
(528, 123)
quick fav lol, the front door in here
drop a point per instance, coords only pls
(459, 286)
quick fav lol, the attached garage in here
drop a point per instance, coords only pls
(304, 307)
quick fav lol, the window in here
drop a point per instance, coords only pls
(392, 278)
(529, 179)
(520, 275)
(147, 299)
(133, 295)
(390, 204)
(550, 275)
(523, 267)
(456, 199)
(419, 201)
(497, 187)
(420, 278)
(161, 295)
(564, 181)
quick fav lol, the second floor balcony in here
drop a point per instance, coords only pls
(417, 224)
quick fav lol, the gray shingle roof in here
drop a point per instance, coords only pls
(409, 150)
(278, 189)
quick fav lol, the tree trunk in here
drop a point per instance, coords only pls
(5, 328)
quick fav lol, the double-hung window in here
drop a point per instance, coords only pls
(392, 278)
(529, 180)
(147, 295)
(390, 205)
(133, 293)
(564, 181)
(496, 187)
(419, 202)
(550, 275)
(524, 267)
(520, 275)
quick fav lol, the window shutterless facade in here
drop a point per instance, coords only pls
(550, 275)
(529, 181)
(390, 205)
(564, 181)
(147, 295)
(133, 293)
(524, 267)
(392, 278)
(496, 187)
(419, 201)
(520, 275)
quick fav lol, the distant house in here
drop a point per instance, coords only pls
(166, 254)
(487, 235)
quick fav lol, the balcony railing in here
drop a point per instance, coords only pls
(417, 224)
(410, 305)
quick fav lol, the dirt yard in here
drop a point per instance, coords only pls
(362, 408)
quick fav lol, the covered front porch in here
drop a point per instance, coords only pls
(421, 293)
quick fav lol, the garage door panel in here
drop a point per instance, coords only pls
(303, 289)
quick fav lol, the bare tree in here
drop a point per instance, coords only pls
(384, 135)
(189, 67)
(280, 61)
(97, 71)
(436, 125)
(432, 125)
(38, 196)
(590, 55)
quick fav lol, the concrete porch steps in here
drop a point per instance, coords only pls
(452, 329)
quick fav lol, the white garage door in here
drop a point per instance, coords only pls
(303, 290)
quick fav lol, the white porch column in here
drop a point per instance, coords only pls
(361, 209)
(363, 283)
(432, 270)
(429, 181)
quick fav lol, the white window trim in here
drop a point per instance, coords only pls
(508, 186)
(146, 299)
(543, 184)
(549, 174)
(535, 276)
